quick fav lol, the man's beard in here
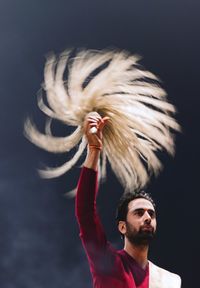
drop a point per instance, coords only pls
(143, 237)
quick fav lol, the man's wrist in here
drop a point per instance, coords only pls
(92, 158)
(95, 147)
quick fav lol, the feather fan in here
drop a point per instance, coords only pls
(112, 84)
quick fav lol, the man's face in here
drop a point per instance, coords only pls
(140, 224)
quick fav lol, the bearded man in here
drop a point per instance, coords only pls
(136, 218)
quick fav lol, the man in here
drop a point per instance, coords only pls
(130, 267)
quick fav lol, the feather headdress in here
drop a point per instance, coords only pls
(112, 84)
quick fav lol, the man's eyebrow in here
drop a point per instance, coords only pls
(143, 209)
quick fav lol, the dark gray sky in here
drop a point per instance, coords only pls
(39, 242)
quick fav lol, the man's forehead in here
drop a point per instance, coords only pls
(140, 203)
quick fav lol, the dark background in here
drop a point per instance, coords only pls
(39, 242)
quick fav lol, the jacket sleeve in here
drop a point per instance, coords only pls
(91, 231)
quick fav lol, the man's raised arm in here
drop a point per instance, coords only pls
(91, 230)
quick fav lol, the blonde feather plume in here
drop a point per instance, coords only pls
(112, 84)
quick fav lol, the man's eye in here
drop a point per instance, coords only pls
(152, 214)
(140, 212)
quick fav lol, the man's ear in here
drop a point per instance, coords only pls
(122, 227)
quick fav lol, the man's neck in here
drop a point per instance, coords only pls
(138, 252)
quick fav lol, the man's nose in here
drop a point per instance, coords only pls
(147, 217)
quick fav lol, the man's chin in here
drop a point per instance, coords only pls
(143, 239)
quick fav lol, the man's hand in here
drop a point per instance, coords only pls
(94, 120)
(93, 127)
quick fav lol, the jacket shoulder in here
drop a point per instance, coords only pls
(161, 278)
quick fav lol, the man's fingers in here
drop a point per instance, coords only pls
(106, 118)
(94, 117)
(95, 121)
(90, 122)
(103, 122)
(98, 124)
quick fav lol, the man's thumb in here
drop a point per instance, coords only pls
(104, 121)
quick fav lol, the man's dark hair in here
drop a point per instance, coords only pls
(122, 208)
